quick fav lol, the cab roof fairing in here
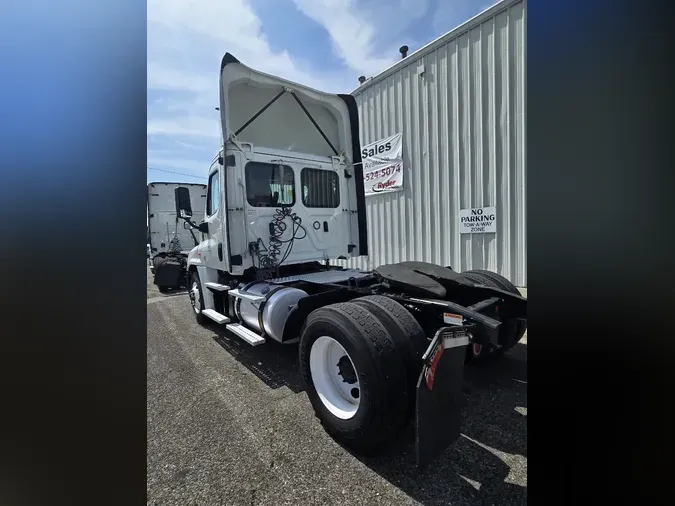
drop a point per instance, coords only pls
(244, 92)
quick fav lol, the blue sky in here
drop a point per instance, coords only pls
(325, 44)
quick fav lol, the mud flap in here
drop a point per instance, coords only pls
(439, 394)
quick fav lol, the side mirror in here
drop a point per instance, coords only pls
(183, 205)
(204, 227)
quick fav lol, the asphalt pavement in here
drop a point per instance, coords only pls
(230, 424)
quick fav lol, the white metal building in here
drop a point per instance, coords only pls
(460, 105)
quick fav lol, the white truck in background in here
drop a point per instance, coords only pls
(170, 239)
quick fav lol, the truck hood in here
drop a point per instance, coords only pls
(271, 112)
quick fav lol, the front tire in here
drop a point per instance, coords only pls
(355, 378)
(196, 296)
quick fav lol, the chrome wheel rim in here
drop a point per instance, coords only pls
(195, 299)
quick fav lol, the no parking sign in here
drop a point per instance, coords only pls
(478, 220)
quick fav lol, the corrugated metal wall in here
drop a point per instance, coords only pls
(461, 107)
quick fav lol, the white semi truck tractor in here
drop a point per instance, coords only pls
(378, 350)
(170, 238)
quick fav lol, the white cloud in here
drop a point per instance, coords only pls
(161, 77)
(351, 33)
(451, 14)
(185, 126)
(187, 39)
(166, 159)
(364, 36)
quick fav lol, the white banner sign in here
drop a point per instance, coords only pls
(478, 220)
(383, 165)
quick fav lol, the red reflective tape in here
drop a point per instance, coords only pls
(430, 373)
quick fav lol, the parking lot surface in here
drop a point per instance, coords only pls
(229, 424)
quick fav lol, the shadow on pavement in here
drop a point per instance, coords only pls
(173, 292)
(273, 363)
(497, 407)
(468, 472)
(153, 291)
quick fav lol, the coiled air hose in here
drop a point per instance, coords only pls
(269, 259)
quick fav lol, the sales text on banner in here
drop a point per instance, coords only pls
(383, 165)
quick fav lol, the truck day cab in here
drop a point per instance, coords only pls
(170, 238)
(377, 350)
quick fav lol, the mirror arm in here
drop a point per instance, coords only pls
(193, 237)
(193, 225)
(189, 222)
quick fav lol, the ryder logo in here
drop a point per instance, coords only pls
(385, 185)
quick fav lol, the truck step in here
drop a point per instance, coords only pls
(246, 334)
(216, 316)
(217, 287)
(243, 295)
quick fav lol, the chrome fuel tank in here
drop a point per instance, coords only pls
(275, 311)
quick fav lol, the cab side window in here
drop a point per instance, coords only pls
(213, 194)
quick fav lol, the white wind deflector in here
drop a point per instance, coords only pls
(271, 112)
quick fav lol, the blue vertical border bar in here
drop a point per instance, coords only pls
(600, 173)
(72, 201)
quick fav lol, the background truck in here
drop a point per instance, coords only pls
(377, 350)
(171, 239)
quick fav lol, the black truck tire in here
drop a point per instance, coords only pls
(380, 396)
(511, 331)
(196, 296)
(517, 328)
(169, 272)
(157, 260)
(407, 335)
(499, 280)
(156, 264)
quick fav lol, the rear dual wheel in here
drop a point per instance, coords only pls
(157, 260)
(357, 371)
(157, 263)
(407, 335)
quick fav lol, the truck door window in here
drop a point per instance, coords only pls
(269, 185)
(213, 194)
(320, 188)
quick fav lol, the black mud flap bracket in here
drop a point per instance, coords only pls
(439, 393)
